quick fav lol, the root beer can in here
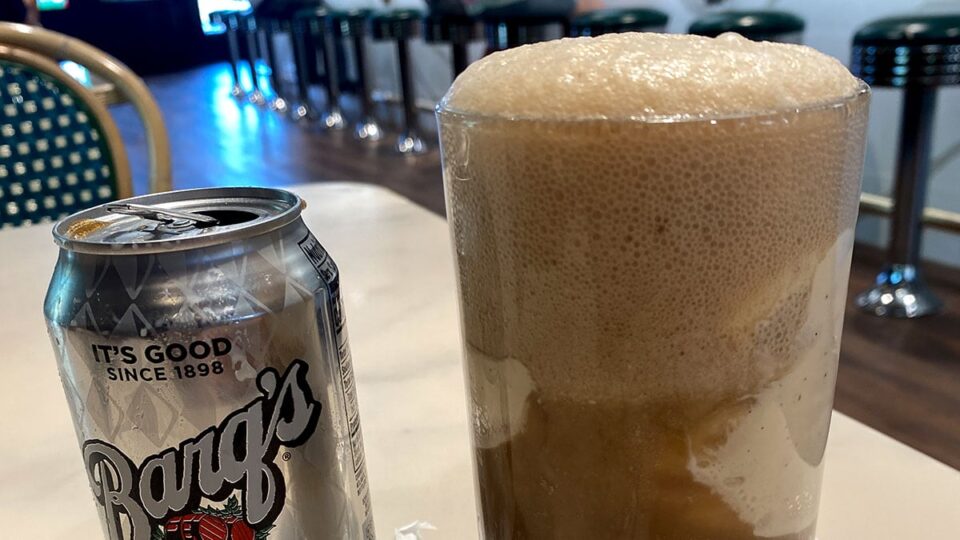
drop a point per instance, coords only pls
(201, 344)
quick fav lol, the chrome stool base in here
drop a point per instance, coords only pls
(237, 91)
(368, 130)
(900, 293)
(256, 97)
(301, 112)
(411, 144)
(333, 119)
(278, 104)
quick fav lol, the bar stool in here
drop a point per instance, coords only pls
(401, 26)
(304, 61)
(506, 31)
(332, 118)
(614, 21)
(776, 26)
(457, 30)
(316, 40)
(272, 27)
(248, 25)
(228, 18)
(353, 25)
(919, 54)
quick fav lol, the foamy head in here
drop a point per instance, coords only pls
(649, 76)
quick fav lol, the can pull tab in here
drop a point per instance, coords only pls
(170, 218)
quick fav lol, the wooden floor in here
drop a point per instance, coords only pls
(219, 141)
(901, 377)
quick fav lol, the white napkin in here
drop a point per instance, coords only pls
(412, 531)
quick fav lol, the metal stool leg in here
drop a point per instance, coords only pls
(232, 25)
(518, 35)
(367, 129)
(298, 39)
(460, 61)
(278, 103)
(409, 141)
(333, 117)
(250, 30)
(900, 291)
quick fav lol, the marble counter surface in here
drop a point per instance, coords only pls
(398, 285)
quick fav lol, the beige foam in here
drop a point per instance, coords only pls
(648, 75)
(648, 261)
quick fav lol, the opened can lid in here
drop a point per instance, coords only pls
(177, 220)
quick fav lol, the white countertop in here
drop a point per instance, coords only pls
(398, 283)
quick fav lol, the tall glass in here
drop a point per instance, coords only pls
(651, 316)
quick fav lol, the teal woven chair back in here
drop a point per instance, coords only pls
(54, 157)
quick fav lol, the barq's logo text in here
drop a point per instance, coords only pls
(237, 454)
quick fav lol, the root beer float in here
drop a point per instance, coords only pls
(653, 237)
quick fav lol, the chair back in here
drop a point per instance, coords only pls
(57, 47)
(60, 151)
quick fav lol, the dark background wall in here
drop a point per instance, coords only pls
(150, 36)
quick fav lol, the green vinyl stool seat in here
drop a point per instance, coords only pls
(755, 25)
(910, 50)
(54, 158)
(613, 21)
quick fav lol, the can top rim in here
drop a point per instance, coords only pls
(98, 230)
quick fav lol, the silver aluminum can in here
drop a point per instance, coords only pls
(201, 344)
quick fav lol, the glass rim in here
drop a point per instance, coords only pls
(863, 90)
